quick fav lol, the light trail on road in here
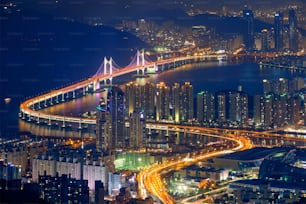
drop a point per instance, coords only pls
(151, 178)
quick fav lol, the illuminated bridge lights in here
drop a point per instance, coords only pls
(26, 107)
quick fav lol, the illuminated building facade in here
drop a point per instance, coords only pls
(162, 101)
(140, 97)
(205, 106)
(115, 98)
(293, 34)
(221, 107)
(278, 31)
(103, 127)
(176, 92)
(249, 36)
(63, 189)
(265, 40)
(186, 104)
(137, 130)
(69, 162)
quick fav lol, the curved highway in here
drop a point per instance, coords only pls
(150, 179)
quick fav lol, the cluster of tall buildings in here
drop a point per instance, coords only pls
(284, 34)
(122, 116)
(57, 162)
(283, 102)
(121, 119)
(223, 106)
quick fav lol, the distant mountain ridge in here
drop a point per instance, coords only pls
(44, 52)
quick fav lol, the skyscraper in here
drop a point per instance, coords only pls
(258, 109)
(116, 107)
(234, 108)
(244, 104)
(265, 41)
(279, 108)
(162, 101)
(132, 97)
(294, 108)
(103, 133)
(221, 107)
(148, 99)
(137, 130)
(249, 35)
(268, 110)
(238, 107)
(267, 88)
(186, 102)
(283, 86)
(205, 106)
(278, 31)
(176, 93)
(140, 97)
(293, 34)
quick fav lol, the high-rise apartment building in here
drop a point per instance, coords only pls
(234, 108)
(258, 109)
(279, 107)
(205, 106)
(278, 31)
(266, 86)
(238, 107)
(187, 112)
(115, 98)
(249, 35)
(103, 127)
(148, 95)
(162, 101)
(294, 108)
(221, 107)
(140, 98)
(137, 130)
(132, 97)
(175, 101)
(268, 110)
(244, 103)
(293, 34)
(265, 40)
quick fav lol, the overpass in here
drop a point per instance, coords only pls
(150, 179)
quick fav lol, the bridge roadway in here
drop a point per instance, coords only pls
(150, 182)
(27, 107)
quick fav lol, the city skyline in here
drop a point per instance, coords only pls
(205, 98)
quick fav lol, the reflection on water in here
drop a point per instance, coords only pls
(75, 107)
(56, 131)
(210, 76)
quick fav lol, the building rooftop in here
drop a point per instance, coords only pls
(272, 184)
(256, 153)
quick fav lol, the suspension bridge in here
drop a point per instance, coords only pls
(30, 109)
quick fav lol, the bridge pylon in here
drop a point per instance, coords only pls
(106, 69)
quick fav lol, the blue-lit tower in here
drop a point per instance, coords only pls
(102, 126)
(293, 35)
(278, 31)
(249, 35)
(115, 97)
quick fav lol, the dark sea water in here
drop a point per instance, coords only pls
(209, 76)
